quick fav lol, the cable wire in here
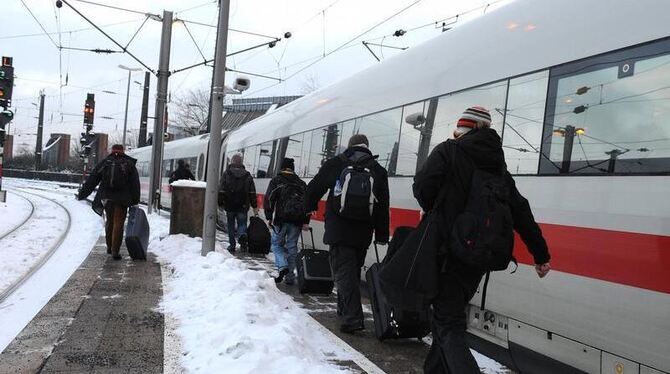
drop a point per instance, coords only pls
(40, 23)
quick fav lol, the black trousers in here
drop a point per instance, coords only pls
(449, 352)
(346, 263)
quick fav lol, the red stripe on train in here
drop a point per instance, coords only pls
(633, 259)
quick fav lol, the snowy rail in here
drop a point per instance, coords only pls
(5, 293)
(20, 224)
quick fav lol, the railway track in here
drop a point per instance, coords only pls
(32, 211)
(8, 291)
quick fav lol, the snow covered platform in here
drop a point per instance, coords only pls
(102, 320)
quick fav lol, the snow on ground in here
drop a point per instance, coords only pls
(188, 183)
(28, 300)
(233, 319)
(12, 212)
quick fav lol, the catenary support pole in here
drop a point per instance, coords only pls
(213, 157)
(142, 141)
(40, 126)
(125, 118)
(161, 101)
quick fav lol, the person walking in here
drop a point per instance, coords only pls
(284, 208)
(237, 192)
(119, 189)
(450, 166)
(183, 171)
(357, 206)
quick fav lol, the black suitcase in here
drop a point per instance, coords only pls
(314, 272)
(394, 322)
(137, 233)
(258, 236)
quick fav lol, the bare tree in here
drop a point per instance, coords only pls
(189, 112)
(310, 84)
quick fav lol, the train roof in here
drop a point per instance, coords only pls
(181, 148)
(520, 37)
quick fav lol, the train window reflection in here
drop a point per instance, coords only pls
(450, 108)
(524, 116)
(611, 118)
(349, 128)
(302, 171)
(383, 130)
(324, 145)
(294, 151)
(250, 159)
(265, 165)
(410, 135)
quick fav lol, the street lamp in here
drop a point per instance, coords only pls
(125, 119)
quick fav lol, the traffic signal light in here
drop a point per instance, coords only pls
(89, 111)
(6, 82)
(5, 117)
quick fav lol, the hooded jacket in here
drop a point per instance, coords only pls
(237, 190)
(272, 197)
(451, 165)
(340, 230)
(126, 196)
(181, 173)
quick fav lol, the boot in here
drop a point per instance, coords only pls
(116, 255)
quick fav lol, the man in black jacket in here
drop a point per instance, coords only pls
(350, 238)
(237, 192)
(476, 146)
(284, 208)
(183, 171)
(119, 189)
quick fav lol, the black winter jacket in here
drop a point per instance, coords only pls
(181, 173)
(127, 196)
(481, 149)
(234, 177)
(342, 231)
(272, 196)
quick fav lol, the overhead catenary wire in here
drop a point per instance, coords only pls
(39, 23)
(66, 31)
(116, 8)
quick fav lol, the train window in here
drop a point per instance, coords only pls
(265, 165)
(522, 135)
(410, 135)
(294, 150)
(383, 130)
(324, 145)
(450, 108)
(250, 158)
(349, 128)
(167, 168)
(302, 171)
(609, 114)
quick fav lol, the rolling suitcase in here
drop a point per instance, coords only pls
(314, 272)
(392, 322)
(258, 236)
(137, 233)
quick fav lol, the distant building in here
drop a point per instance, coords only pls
(57, 150)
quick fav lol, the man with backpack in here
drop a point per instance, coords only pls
(284, 208)
(237, 192)
(357, 205)
(183, 171)
(466, 182)
(119, 189)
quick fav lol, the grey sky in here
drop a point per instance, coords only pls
(317, 26)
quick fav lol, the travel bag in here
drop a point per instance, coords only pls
(137, 233)
(258, 236)
(314, 272)
(395, 321)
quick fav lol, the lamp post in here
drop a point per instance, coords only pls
(125, 119)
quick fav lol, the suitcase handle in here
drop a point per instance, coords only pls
(376, 252)
(302, 240)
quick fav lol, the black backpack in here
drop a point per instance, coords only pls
(353, 195)
(483, 234)
(235, 192)
(115, 173)
(289, 201)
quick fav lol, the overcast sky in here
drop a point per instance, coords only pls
(318, 28)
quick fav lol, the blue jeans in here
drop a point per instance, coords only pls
(285, 246)
(241, 218)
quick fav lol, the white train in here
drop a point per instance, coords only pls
(580, 91)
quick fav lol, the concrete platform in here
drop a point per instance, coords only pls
(103, 320)
(392, 356)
